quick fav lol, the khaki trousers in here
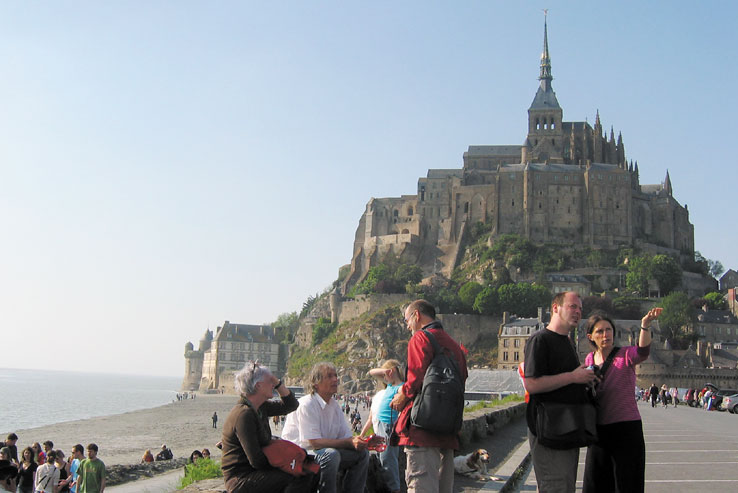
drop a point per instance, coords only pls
(429, 470)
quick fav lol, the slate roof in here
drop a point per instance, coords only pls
(544, 100)
(499, 150)
(245, 333)
(443, 173)
(725, 358)
(717, 317)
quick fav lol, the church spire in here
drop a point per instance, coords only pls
(667, 183)
(545, 76)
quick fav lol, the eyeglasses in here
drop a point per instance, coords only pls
(407, 319)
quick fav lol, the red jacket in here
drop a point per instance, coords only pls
(419, 356)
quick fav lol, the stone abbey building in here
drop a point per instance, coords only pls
(567, 183)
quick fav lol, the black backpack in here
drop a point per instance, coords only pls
(440, 405)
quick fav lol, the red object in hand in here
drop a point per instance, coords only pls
(378, 446)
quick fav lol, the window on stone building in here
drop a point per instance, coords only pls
(517, 356)
(517, 343)
(504, 356)
(553, 142)
(409, 211)
(466, 207)
(505, 342)
(513, 202)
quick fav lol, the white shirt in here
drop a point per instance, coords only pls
(376, 402)
(47, 476)
(315, 418)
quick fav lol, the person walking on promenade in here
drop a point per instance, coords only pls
(430, 455)
(215, 419)
(653, 393)
(553, 374)
(617, 462)
(91, 472)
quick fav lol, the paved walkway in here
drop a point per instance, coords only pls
(687, 450)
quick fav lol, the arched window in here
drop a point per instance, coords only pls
(410, 211)
(396, 213)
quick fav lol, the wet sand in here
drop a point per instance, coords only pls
(183, 426)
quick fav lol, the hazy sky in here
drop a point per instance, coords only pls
(166, 166)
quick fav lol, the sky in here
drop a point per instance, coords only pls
(166, 166)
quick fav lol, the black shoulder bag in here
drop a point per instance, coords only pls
(563, 426)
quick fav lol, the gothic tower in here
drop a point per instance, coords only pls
(545, 139)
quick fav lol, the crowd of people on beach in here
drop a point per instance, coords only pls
(183, 396)
(42, 468)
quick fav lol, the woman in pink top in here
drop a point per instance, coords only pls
(618, 461)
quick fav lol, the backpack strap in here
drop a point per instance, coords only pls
(434, 343)
(438, 350)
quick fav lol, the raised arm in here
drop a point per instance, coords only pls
(644, 339)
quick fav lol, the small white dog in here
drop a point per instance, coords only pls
(474, 465)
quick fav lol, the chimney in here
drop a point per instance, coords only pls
(505, 317)
(540, 314)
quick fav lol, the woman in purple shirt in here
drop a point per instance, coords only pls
(618, 461)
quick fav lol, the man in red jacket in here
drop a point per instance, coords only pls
(430, 456)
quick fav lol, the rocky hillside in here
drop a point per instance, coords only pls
(354, 347)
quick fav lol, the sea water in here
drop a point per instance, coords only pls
(32, 398)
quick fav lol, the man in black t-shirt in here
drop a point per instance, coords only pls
(553, 373)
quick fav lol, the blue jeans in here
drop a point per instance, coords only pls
(354, 462)
(390, 462)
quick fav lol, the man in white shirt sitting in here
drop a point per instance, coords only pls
(320, 425)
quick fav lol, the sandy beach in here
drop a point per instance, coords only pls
(183, 426)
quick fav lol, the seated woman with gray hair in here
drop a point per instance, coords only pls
(246, 432)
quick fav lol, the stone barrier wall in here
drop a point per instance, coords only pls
(477, 425)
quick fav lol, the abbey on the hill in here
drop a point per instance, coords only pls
(567, 183)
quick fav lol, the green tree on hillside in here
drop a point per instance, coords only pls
(287, 324)
(667, 272)
(639, 272)
(716, 268)
(487, 302)
(715, 301)
(322, 329)
(523, 299)
(676, 321)
(468, 295)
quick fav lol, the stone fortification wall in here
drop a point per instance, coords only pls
(348, 309)
(467, 329)
(723, 378)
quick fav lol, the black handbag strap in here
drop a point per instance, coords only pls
(608, 361)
